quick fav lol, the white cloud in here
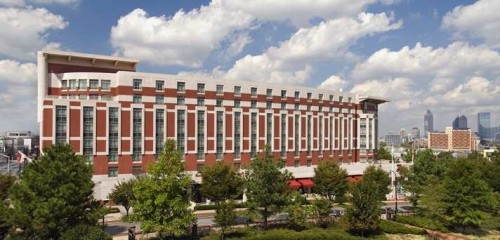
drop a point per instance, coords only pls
(299, 12)
(400, 91)
(185, 39)
(26, 30)
(334, 83)
(17, 95)
(456, 60)
(480, 19)
(291, 61)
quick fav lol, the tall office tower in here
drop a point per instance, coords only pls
(415, 133)
(460, 122)
(483, 125)
(428, 122)
(119, 119)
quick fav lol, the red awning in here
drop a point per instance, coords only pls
(306, 182)
(294, 184)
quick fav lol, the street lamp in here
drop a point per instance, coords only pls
(395, 192)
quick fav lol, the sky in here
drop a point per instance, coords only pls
(420, 54)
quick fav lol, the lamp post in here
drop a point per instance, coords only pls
(395, 192)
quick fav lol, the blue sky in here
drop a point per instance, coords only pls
(420, 54)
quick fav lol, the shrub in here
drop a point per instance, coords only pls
(317, 234)
(397, 228)
(422, 222)
(86, 233)
(213, 207)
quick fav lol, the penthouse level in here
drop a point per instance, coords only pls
(119, 118)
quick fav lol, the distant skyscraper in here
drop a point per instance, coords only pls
(483, 125)
(460, 122)
(428, 122)
(392, 139)
(415, 133)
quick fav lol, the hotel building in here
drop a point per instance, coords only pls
(453, 140)
(119, 118)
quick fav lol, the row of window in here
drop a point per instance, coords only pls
(219, 89)
(104, 97)
(81, 84)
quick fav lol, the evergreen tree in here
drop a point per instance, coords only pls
(123, 194)
(330, 180)
(6, 181)
(362, 213)
(53, 195)
(161, 197)
(267, 186)
(380, 178)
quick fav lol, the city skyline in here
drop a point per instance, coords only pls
(438, 55)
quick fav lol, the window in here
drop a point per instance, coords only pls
(160, 85)
(105, 84)
(297, 135)
(253, 92)
(200, 102)
(237, 90)
(106, 97)
(181, 101)
(94, 84)
(137, 84)
(269, 92)
(82, 96)
(200, 167)
(237, 103)
(309, 135)
(136, 170)
(253, 104)
(88, 131)
(283, 106)
(181, 125)
(320, 109)
(331, 138)
(331, 98)
(269, 105)
(181, 86)
(94, 97)
(72, 84)
(64, 84)
(61, 124)
(160, 99)
(137, 98)
(160, 130)
(330, 109)
(218, 102)
(253, 134)
(237, 135)
(309, 95)
(219, 135)
(283, 93)
(112, 172)
(136, 134)
(269, 132)
(320, 97)
(309, 107)
(219, 89)
(82, 84)
(320, 139)
(283, 135)
(309, 162)
(340, 98)
(296, 163)
(201, 88)
(349, 99)
(113, 134)
(200, 140)
(297, 94)
(296, 107)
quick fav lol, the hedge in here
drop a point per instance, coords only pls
(317, 234)
(397, 228)
(422, 222)
(212, 206)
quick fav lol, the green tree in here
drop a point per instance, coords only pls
(362, 213)
(123, 193)
(267, 186)
(298, 213)
(330, 180)
(161, 197)
(383, 154)
(462, 199)
(491, 170)
(322, 208)
(426, 170)
(6, 181)
(85, 232)
(54, 194)
(380, 178)
(222, 185)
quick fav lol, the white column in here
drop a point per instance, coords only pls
(42, 85)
